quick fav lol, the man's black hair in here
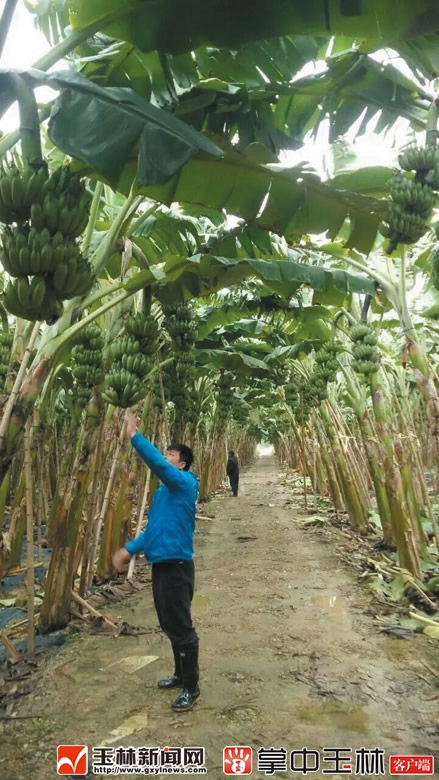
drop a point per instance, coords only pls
(185, 452)
(231, 452)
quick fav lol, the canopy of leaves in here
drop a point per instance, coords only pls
(230, 23)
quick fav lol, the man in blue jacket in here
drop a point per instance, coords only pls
(167, 543)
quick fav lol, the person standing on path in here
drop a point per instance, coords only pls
(167, 543)
(232, 472)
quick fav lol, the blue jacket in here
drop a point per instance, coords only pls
(169, 532)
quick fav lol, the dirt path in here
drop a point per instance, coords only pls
(290, 657)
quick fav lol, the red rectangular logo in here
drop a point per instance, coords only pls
(72, 760)
(237, 760)
(411, 765)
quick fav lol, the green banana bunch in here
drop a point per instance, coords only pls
(84, 278)
(364, 350)
(123, 388)
(122, 345)
(360, 331)
(366, 367)
(6, 341)
(420, 159)
(18, 190)
(292, 395)
(182, 330)
(6, 338)
(73, 274)
(411, 227)
(59, 214)
(31, 300)
(92, 335)
(88, 361)
(325, 370)
(409, 192)
(63, 181)
(142, 327)
(24, 252)
(405, 229)
(136, 364)
(179, 312)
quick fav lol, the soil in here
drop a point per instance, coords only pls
(291, 655)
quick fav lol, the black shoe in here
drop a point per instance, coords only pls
(171, 682)
(186, 700)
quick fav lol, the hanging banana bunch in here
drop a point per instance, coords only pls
(364, 350)
(300, 397)
(239, 411)
(43, 216)
(6, 341)
(168, 381)
(18, 191)
(224, 398)
(412, 196)
(292, 394)
(88, 363)
(180, 377)
(326, 368)
(130, 359)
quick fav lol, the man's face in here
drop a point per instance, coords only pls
(173, 456)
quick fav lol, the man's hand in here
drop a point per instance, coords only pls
(121, 559)
(130, 424)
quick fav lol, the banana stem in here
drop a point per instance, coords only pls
(106, 248)
(53, 347)
(94, 211)
(11, 139)
(431, 125)
(17, 385)
(5, 22)
(384, 281)
(29, 121)
(404, 313)
(141, 219)
(29, 538)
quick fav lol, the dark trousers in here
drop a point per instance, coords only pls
(234, 483)
(173, 590)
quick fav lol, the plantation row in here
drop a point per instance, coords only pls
(309, 320)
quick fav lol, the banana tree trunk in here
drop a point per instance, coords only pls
(4, 493)
(105, 506)
(425, 383)
(402, 522)
(103, 568)
(113, 521)
(378, 476)
(354, 500)
(124, 509)
(20, 403)
(55, 607)
(375, 454)
(335, 489)
(11, 543)
(91, 514)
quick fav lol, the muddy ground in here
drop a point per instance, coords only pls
(291, 656)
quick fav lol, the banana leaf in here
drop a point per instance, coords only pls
(177, 26)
